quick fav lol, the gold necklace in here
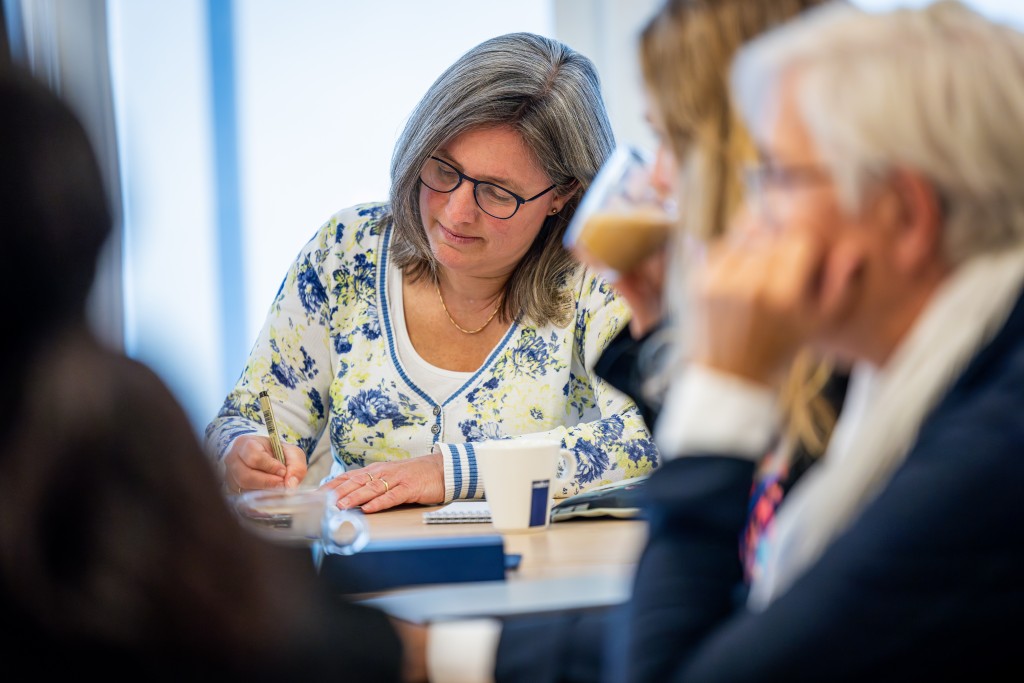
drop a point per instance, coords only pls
(459, 327)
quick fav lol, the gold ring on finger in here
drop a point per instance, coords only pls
(370, 480)
(386, 487)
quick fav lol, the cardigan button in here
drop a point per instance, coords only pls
(435, 429)
(437, 410)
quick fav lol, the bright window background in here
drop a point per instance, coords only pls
(320, 90)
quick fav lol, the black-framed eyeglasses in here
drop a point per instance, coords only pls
(494, 200)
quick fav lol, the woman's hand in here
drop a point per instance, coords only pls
(250, 464)
(382, 485)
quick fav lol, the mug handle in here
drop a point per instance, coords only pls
(566, 471)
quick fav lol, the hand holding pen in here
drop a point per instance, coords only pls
(249, 463)
(271, 425)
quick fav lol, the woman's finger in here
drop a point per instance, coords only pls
(389, 496)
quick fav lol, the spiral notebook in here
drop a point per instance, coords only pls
(459, 512)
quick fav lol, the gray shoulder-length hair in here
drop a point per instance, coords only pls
(938, 89)
(551, 95)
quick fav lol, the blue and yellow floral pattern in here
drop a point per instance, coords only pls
(327, 355)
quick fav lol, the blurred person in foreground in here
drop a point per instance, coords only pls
(885, 229)
(405, 331)
(118, 554)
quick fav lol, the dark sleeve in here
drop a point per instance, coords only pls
(927, 581)
(689, 572)
(640, 640)
(555, 648)
(620, 366)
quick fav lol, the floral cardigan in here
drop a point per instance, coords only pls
(327, 355)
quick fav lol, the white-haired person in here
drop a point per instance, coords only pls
(886, 230)
(407, 330)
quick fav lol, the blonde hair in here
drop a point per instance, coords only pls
(686, 52)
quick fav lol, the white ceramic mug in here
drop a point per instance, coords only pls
(519, 476)
(304, 517)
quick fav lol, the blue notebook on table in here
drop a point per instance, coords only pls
(396, 563)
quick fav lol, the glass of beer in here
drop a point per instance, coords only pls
(622, 219)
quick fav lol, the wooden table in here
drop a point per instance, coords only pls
(565, 548)
(574, 563)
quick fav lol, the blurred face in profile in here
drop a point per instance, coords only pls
(665, 170)
(794, 197)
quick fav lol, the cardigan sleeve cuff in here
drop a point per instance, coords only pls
(461, 478)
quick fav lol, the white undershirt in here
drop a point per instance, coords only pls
(437, 382)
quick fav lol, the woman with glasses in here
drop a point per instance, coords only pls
(407, 330)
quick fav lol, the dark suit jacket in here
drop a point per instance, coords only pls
(927, 582)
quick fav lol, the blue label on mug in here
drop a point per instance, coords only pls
(539, 503)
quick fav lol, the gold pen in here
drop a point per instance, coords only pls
(268, 420)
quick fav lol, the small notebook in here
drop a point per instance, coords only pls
(459, 512)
